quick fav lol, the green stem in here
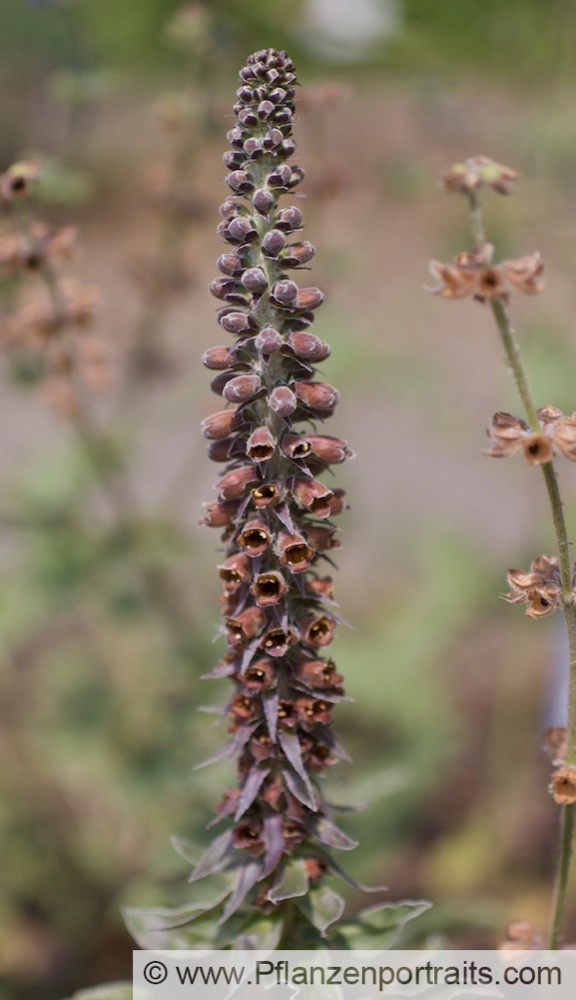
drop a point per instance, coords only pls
(568, 606)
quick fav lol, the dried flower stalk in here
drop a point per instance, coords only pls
(550, 582)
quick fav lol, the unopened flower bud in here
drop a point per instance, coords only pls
(321, 538)
(289, 219)
(240, 182)
(297, 254)
(241, 231)
(219, 514)
(308, 346)
(217, 358)
(233, 484)
(268, 341)
(317, 396)
(309, 298)
(273, 243)
(242, 388)
(328, 449)
(254, 538)
(221, 451)
(280, 177)
(282, 401)
(236, 322)
(261, 445)
(262, 201)
(218, 425)
(253, 148)
(285, 292)
(255, 280)
(230, 264)
(221, 380)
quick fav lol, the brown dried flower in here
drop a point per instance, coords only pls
(509, 434)
(540, 587)
(477, 172)
(473, 273)
(563, 786)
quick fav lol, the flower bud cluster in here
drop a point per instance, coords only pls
(274, 508)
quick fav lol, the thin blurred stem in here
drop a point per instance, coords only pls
(568, 606)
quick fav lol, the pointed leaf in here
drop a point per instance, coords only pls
(322, 906)
(214, 857)
(270, 702)
(345, 877)
(150, 925)
(293, 881)
(273, 839)
(291, 747)
(284, 516)
(389, 918)
(248, 874)
(144, 926)
(302, 790)
(186, 849)
(249, 654)
(330, 834)
(250, 789)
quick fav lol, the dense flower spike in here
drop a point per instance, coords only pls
(275, 511)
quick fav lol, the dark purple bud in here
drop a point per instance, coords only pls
(283, 116)
(255, 280)
(240, 182)
(229, 209)
(308, 347)
(224, 288)
(280, 176)
(297, 176)
(277, 95)
(236, 137)
(248, 118)
(230, 263)
(265, 109)
(241, 231)
(287, 148)
(244, 94)
(285, 292)
(273, 243)
(217, 358)
(242, 388)
(233, 160)
(289, 219)
(268, 341)
(272, 138)
(262, 201)
(236, 322)
(282, 401)
(253, 148)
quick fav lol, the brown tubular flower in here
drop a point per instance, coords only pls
(276, 514)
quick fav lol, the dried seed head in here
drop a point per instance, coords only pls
(563, 786)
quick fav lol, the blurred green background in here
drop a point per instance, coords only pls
(107, 611)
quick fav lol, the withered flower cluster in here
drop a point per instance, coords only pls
(540, 587)
(473, 273)
(275, 511)
(46, 317)
(510, 434)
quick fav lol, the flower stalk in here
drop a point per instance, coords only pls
(550, 582)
